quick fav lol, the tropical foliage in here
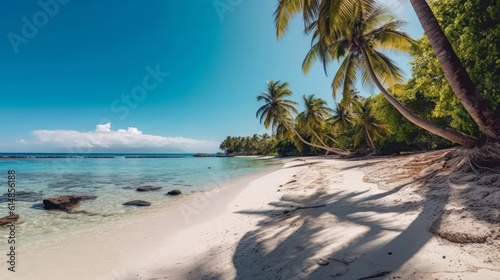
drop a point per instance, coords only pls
(279, 113)
(473, 27)
(359, 42)
(249, 145)
(361, 35)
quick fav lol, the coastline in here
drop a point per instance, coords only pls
(315, 218)
(101, 247)
(113, 181)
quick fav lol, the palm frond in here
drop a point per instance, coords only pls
(345, 76)
(393, 40)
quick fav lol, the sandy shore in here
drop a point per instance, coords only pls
(316, 218)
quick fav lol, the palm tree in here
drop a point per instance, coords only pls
(331, 15)
(277, 109)
(313, 118)
(366, 127)
(277, 113)
(360, 40)
(342, 117)
(349, 99)
(454, 71)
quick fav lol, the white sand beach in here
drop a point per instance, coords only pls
(315, 218)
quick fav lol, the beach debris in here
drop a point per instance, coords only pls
(322, 262)
(137, 203)
(8, 219)
(63, 202)
(174, 192)
(147, 189)
(292, 181)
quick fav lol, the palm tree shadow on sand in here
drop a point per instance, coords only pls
(363, 233)
(296, 254)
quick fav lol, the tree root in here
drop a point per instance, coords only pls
(480, 159)
(486, 157)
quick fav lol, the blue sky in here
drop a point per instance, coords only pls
(166, 75)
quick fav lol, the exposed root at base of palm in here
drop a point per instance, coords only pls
(479, 159)
(457, 162)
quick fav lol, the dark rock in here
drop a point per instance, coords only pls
(8, 219)
(322, 262)
(137, 203)
(174, 192)
(63, 202)
(147, 189)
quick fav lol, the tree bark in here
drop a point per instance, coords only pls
(370, 142)
(329, 149)
(454, 71)
(447, 133)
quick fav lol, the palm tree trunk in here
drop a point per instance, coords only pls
(370, 142)
(319, 139)
(329, 149)
(460, 81)
(447, 133)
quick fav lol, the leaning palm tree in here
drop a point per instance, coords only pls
(330, 17)
(360, 47)
(454, 71)
(277, 113)
(313, 118)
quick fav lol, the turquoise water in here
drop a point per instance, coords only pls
(113, 179)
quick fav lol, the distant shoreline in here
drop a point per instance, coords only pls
(91, 155)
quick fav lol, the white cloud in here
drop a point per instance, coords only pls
(105, 137)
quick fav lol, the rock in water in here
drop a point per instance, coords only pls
(63, 202)
(174, 192)
(147, 189)
(8, 219)
(137, 203)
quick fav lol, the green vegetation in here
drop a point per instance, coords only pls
(473, 27)
(255, 145)
(426, 112)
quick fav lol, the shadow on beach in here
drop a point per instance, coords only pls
(340, 229)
